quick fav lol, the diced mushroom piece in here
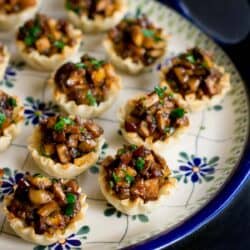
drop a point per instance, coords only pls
(27, 3)
(181, 74)
(131, 124)
(48, 209)
(151, 189)
(138, 189)
(59, 137)
(98, 76)
(63, 153)
(40, 182)
(150, 100)
(148, 42)
(43, 44)
(72, 186)
(76, 77)
(87, 145)
(156, 53)
(194, 84)
(95, 130)
(101, 5)
(39, 197)
(143, 129)
(207, 60)
(58, 191)
(161, 120)
(126, 158)
(131, 172)
(55, 220)
(137, 35)
(50, 123)
(160, 45)
(48, 149)
(107, 161)
(109, 70)
(73, 141)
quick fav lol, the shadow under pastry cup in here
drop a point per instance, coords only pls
(28, 233)
(190, 100)
(13, 20)
(43, 62)
(129, 177)
(99, 23)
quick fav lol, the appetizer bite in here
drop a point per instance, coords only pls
(66, 146)
(43, 210)
(195, 78)
(95, 15)
(4, 60)
(86, 88)
(14, 13)
(11, 118)
(45, 43)
(135, 44)
(154, 119)
(136, 180)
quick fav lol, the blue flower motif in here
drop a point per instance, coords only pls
(196, 168)
(9, 77)
(69, 243)
(74, 241)
(8, 181)
(36, 110)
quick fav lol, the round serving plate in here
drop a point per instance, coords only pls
(208, 161)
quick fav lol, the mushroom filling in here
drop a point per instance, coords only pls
(194, 72)
(136, 172)
(155, 115)
(86, 82)
(15, 6)
(7, 106)
(45, 204)
(138, 39)
(65, 140)
(46, 35)
(93, 8)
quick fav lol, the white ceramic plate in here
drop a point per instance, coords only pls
(214, 143)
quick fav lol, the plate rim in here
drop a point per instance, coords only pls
(221, 200)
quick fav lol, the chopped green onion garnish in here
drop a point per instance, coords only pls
(59, 44)
(160, 91)
(38, 175)
(151, 33)
(115, 178)
(71, 198)
(59, 126)
(97, 63)
(129, 179)
(81, 65)
(121, 151)
(29, 41)
(133, 147)
(91, 99)
(139, 163)
(2, 119)
(177, 113)
(12, 102)
(190, 58)
(69, 211)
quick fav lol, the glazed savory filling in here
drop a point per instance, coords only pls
(65, 140)
(46, 35)
(194, 73)
(15, 6)
(45, 204)
(7, 106)
(138, 39)
(86, 82)
(156, 115)
(136, 172)
(93, 8)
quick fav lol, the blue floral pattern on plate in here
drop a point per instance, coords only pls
(36, 110)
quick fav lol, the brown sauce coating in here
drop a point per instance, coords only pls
(194, 72)
(136, 172)
(138, 39)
